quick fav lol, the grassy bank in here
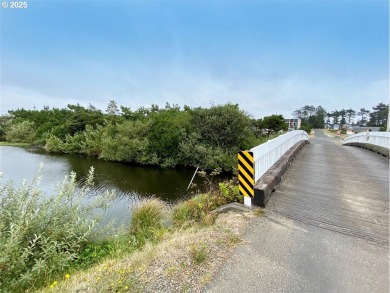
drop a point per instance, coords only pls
(19, 144)
(51, 244)
(184, 260)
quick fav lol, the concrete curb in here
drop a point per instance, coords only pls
(267, 183)
(377, 149)
(235, 207)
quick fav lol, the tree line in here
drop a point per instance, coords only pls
(318, 117)
(170, 136)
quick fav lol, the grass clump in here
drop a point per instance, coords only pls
(147, 222)
(199, 209)
(195, 210)
(198, 254)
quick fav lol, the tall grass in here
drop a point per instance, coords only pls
(147, 222)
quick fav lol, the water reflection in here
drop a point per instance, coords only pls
(130, 183)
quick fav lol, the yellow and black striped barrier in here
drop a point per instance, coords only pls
(246, 173)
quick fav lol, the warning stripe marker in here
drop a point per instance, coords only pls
(246, 173)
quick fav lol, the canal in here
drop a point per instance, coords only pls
(130, 183)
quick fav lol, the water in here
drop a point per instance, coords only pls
(130, 183)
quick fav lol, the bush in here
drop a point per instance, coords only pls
(166, 133)
(54, 144)
(224, 126)
(40, 236)
(306, 127)
(229, 190)
(193, 153)
(21, 132)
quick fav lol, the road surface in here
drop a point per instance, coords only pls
(325, 229)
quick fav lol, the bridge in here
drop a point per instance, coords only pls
(331, 184)
(341, 188)
(325, 226)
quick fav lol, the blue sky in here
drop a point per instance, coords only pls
(267, 56)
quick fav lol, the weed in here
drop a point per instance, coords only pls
(234, 239)
(258, 212)
(198, 254)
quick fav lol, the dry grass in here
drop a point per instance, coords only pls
(168, 266)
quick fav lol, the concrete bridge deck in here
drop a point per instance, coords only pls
(325, 229)
(345, 189)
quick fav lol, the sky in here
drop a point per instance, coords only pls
(270, 57)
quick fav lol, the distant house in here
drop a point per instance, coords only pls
(336, 126)
(293, 123)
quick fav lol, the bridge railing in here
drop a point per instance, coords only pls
(381, 139)
(267, 154)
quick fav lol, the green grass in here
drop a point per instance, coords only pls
(20, 144)
(198, 254)
(147, 222)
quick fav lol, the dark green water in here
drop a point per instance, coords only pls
(130, 183)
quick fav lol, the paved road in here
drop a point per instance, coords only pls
(326, 227)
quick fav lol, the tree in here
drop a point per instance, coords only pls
(112, 108)
(350, 115)
(320, 117)
(257, 126)
(378, 117)
(335, 115)
(167, 130)
(343, 113)
(311, 114)
(297, 113)
(223, 126)
(274, 123)
(363, 113)
(92, 107)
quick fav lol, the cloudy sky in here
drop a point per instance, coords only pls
(268, 56)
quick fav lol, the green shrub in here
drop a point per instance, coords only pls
(167, 130)
(41, 235)
(147, 222)
(93, 252)
(229, 190)
(21, 132)
(306, 126)
(194, 153)
(54, 144)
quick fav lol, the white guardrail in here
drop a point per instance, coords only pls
(267, 154)
(381, 139)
